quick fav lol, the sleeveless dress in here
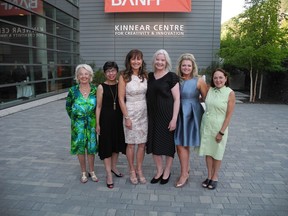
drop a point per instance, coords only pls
(137, 111)
(160, 112)
(216, 106)
(111, 138)
(81, 111)
(187, 132)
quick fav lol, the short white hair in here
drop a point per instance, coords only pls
(86, 67)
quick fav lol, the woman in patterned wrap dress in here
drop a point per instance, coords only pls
(80, 106)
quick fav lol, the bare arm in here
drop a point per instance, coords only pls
(121, 97)
(229, 112)
(99, 107)
(176, 106)
(203, 88)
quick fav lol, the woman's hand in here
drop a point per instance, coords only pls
(172, 125)
(98, 129)
(218, 137)
(128, 123)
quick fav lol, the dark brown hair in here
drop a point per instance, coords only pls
(225, 74)
(127, 73)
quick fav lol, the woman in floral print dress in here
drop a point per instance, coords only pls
(80, 106)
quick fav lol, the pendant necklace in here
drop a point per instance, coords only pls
(114, 97)
(84, 91)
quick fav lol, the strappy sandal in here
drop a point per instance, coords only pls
(142, 179)
(118, 175)
(206, 183)
(83, 178)
(212, 185)
(93, 176)
(109, 185)
(133, 178)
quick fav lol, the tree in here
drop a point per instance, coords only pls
(256, 42)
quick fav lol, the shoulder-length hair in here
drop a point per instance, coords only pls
(225, 74)
(190, 57)
(86, 67)
(127, 72)
(167, 57)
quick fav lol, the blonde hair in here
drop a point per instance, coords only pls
(168, 60)
(86, 67)
(190, 57)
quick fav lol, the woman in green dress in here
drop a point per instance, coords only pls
(80, 106)
(220, 103)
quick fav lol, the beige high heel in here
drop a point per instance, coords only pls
(83, 178)
(93, 176)
(133, 178)
(142, 179)
(181, 184)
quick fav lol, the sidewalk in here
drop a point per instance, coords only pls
(40, 177)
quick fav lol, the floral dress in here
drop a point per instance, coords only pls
(81, 111)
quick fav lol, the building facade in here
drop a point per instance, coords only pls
(110, 35)
(39, 48)
(41, 41)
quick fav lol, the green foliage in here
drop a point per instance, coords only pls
(255, 40)
(99, 77)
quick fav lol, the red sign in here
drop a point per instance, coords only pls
(114, 6)
(11, 10)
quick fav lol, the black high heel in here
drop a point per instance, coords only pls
(110, 186)
(117, 175)
(154, 180)
(165, 181)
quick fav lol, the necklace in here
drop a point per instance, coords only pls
(84, 91)
(114, 97)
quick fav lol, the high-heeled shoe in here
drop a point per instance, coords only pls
(93, 176)
(133, 178)
(142, 179)
(118, 175)
(156, 180)
(165, 181)
(181, 184)
(109, 185)
(83, 178)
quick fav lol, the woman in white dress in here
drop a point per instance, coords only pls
(132, 89)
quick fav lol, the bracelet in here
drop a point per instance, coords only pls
(127, 117)
(221, 133)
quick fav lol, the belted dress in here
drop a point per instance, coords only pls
(81, 111)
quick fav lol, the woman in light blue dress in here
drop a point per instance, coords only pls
(187, 132)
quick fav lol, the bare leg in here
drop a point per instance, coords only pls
(130, 156)
(209, 164)
(140, 159)
(130, 149)
(159, 166)
(168, 165)
(82, 162)
(183, 154)
(140, 156)
(91, 158)
(216, 168)
(107, 164)
(114, 161)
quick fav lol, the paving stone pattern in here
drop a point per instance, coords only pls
(40, 177)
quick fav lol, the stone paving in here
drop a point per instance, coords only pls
(40, 177)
